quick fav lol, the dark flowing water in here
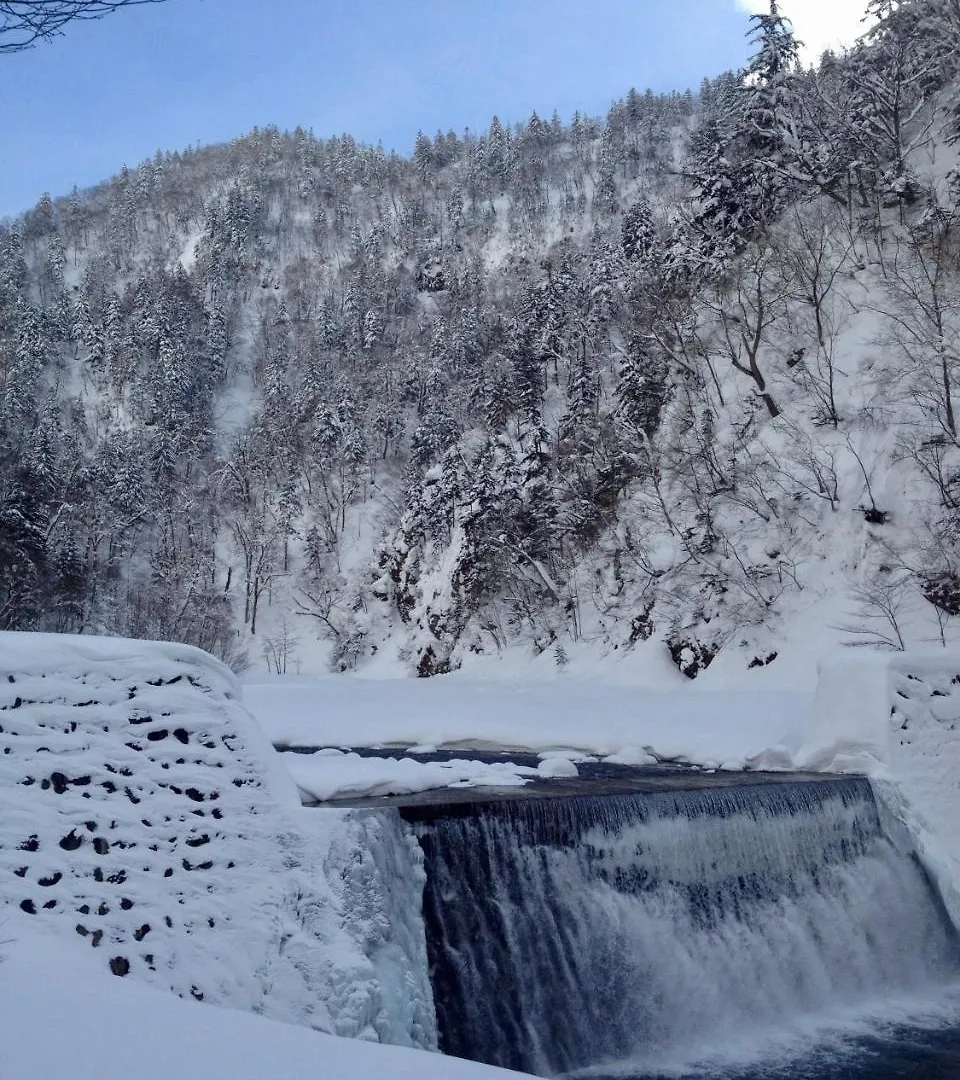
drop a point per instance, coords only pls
(738, 933)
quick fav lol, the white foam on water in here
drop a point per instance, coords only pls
(828, 1039)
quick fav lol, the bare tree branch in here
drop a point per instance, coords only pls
(25, 22)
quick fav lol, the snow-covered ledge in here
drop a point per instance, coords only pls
(143, 812)
(896, 717)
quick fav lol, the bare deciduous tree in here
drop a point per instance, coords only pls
(25, 22)
(922, 309)
(819, 250)
(748, 306)
(878, 620)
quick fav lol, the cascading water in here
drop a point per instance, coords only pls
(571, 933)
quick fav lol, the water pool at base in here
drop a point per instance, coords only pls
(922, 1048)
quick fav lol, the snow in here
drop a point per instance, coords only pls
(896, 717)
(313, 915)
(188, 251)
(625, 722)
(847, 730)
(61, 1015)
(143, 811)
(335, 775)
(554, 767)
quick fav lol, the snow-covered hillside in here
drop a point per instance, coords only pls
(677, 383)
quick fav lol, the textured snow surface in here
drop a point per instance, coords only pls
(633, 724)
(896, 717)
(62, 1016)
(330, 774)
(143, 813)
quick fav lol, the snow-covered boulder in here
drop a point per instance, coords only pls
(142, 810)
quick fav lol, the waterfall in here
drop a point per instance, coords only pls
(575, 932)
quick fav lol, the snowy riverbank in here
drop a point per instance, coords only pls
(144, 813)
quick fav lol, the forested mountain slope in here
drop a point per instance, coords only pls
(684, 376)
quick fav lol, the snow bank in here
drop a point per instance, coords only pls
(143, 812)
(848, 730)
(629, 724)
(896, 718)
(331, 774)
(62, 1016)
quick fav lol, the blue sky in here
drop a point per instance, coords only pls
(198, 71)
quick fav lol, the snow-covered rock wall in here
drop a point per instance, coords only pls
(896, 717)
(142, 809)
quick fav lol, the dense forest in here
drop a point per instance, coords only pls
(675, 376)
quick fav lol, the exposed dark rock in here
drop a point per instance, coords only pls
(763, 661)
(691, 656)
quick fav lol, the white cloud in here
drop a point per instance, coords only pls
(819, 24)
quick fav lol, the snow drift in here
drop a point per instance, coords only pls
(106, 1030)
(896, 718)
